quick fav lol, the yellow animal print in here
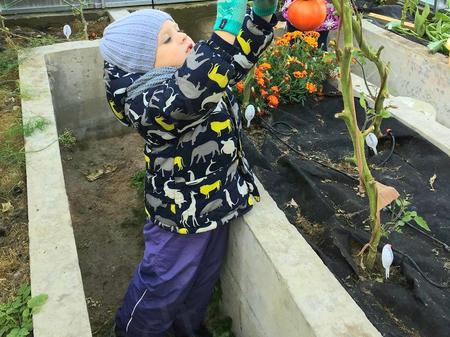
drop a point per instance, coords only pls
(147, 160)
(164, 125)
(147, 212)
(218, 127)
(173, 208)
(221, 80)
(250, 200)
(206, 189)
(245, 45)
(258, 199)
(183, 231)
(113, 108)
(178, 161)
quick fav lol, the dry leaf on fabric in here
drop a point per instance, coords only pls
(385, 195)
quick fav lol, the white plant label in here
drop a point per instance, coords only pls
(372, 142)
(249, 114)
(67, 31)
(387, 256)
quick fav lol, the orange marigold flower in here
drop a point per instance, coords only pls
(287, 78)
(282, 42)
(311, 41)
(273, 101)
(300, 74)
(263, 93)
(311, 87)
(258, 73)
(298, 33)
(265, 66)
(275, 89)
(240, 86)
(260, 82)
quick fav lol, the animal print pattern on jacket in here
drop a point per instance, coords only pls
(197, 175)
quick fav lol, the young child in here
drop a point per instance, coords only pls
(178, 96)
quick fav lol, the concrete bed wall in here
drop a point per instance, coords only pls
(75, 71)
(415, 72)
(274, 284)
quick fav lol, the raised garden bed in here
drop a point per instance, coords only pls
(278, 287)
(318, 193)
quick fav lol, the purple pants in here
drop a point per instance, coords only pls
(173, 283)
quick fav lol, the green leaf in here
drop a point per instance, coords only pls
(422, 223)
(399, 223)
(36, 302)
(435, 46)
(25, 314)
(384, 113)
(18, 332)
(413, 213)
(407, 217)
(362, 101)
(420, 20)
(393, 24)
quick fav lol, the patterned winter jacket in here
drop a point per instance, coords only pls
(197, 175)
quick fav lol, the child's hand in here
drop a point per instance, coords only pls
(230, 15)
(264, 7)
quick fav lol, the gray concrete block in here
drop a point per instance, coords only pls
(417, 115)
(281, 285)
(54, 268)
(117, 14)
(415, 72)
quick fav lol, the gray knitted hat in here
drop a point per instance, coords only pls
(130, 43)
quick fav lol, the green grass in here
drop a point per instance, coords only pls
(8, 62)
(67, 139)
(16, 315)
(138, 182)
(42, 41)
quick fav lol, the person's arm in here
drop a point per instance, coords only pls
(255, 36)
(196, 87)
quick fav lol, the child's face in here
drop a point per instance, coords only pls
(173, 46)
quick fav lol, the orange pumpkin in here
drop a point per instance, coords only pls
(307, 15)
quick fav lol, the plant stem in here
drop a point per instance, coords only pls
(367, 182)
(383, 69)
(247, 88)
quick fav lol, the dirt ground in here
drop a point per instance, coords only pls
(14, 256)
(107, 217)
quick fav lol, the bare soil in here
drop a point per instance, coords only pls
(107, 218)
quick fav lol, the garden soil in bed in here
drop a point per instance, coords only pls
(324, 205)
(107, 217)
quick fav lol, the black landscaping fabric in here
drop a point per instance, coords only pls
(406, 304)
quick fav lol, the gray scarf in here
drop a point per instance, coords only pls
(151, 79)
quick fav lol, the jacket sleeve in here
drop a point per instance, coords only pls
(116, 82)
(255, 36)
(189, 96)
